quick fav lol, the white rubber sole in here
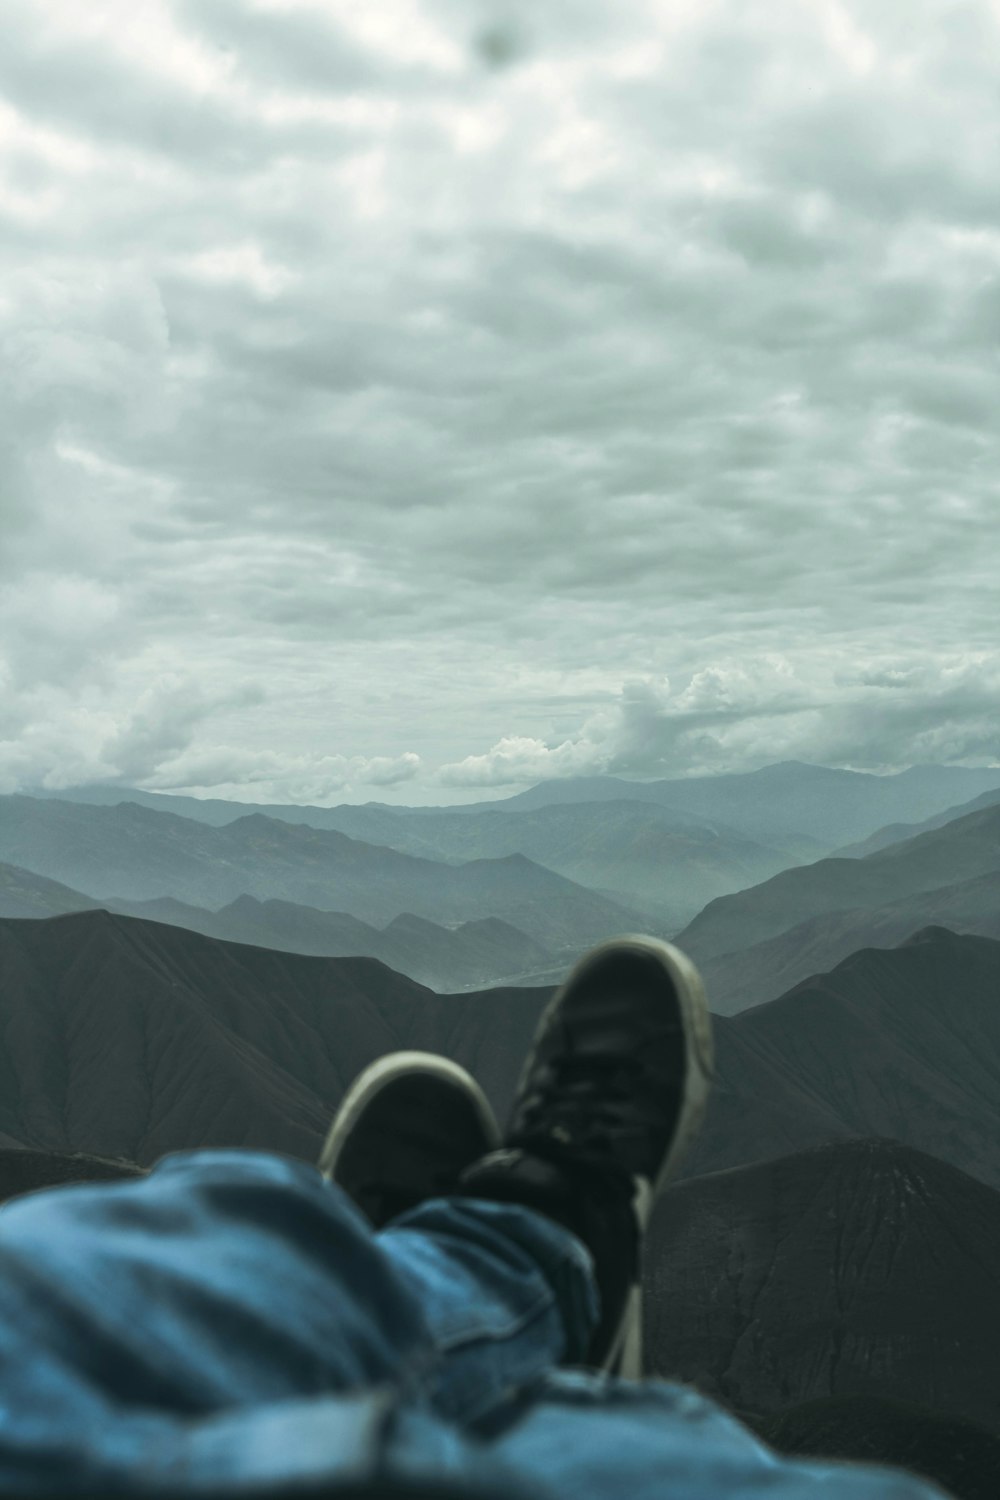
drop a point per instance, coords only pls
(385, 1070)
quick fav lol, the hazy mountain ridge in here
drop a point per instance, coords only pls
(787, 799)
(804, 809)
(752, 976)
(662, 860)
(129, 852)
(474, 954)
(656, 858)
(859, 1267)
(896, 833)
(960, 850)
(25, 894)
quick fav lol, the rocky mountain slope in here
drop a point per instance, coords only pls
(962, 1457)
(128, 1038)
(25, 1171)
(859, 1268)
(903, 1042)
(125, 1038)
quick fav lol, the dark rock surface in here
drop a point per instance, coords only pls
(961, 1456)
(25, 1171)
(861, 1268)
(129, 1039)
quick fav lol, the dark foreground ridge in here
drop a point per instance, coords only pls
(128, 1039)
(863, 1268)
(24, 1171)
(901, 1042)
(961, 1456)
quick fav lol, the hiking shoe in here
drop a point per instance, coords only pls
(408, 1126)
(611, 1095)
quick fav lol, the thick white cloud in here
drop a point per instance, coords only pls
(884, 717)
(402, 380)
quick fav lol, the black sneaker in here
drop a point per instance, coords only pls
(408, 1126)
(612, 1094)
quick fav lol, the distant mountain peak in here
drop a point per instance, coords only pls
(933, 933)
(253, 820)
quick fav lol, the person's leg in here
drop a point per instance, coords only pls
(597, 1437)
(508, 1294)
(161, 1334)
(230, 1278)
(222, 1279)
(185, 1323)
(611, 1094)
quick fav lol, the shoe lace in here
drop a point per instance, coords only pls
(584, 1098)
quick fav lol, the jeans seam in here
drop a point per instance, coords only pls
(472, 1333)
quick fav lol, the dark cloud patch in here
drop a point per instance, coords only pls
(501, 44)
(300, 50)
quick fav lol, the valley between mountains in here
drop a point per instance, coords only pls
(175, 975)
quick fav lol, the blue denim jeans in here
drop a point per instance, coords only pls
(233, 1320)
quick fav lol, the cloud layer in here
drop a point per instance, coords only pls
(435, 395)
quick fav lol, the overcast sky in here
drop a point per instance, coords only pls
(413, 400)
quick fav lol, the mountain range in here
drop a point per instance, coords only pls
(663, 847)
(472, 955)
(787, 800)
(811, 918)
(859, 1266)
(128, 852)
(664, 862)
(961, 850)
(901, 1042)
(128, 1038)
(753, 975)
